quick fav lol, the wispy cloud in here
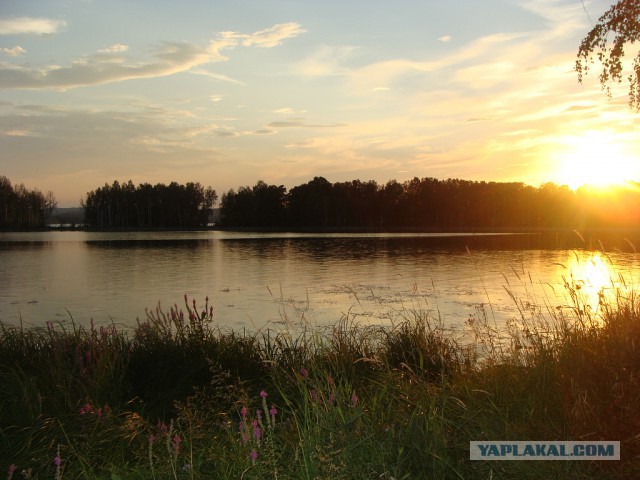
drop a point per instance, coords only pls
(445, 38)
(273, 36)
(13, 52)
(112, 65)
(300, 123)
(328, 60)
(30, 26)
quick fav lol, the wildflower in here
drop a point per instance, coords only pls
(273, 412)
(152, 439)
(330, 380)
(354, 400)
(12, 469)
(176, 443)
(314, 395)
(263, 394)
(253, 455)
(304, 373)
(57, 461)
(243, 412)
(162, 427)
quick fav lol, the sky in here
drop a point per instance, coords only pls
(229, 92)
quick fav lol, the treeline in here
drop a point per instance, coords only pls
(428, 203)
(21, 208)
(149, 206)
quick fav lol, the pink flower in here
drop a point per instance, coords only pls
(304, 373)
(152, 438)
(263, 394)
(10, 472)
(163, 428)
(57, 461)
(273, 411)
(243, 412)
(354, 400)
(176, 443)
(253, 455)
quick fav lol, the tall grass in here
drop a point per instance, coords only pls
(177, 397)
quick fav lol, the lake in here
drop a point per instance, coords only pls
(275, 280)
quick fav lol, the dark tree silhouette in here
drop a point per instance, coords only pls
(160, 206)
(21, 208)
(617, 28)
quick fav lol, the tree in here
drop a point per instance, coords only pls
(623, 21)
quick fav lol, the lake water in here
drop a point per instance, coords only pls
(269, 280)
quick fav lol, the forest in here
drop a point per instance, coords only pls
(21, 208)
(149, 206)
(426, 204)
(429, 204)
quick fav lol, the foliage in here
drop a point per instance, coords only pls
(351, 402)
(168, 206)
(428, 203)
(623, 21)
(23, 208)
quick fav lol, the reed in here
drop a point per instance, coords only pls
(178, 397)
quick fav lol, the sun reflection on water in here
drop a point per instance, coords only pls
(593, 278)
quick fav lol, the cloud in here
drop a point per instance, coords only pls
(444, 38)
(327, 60)
(13, 52)
(267, 38)
(117, 48)
(299, 123)
(273, 36)
(30, 26)
(112, 65)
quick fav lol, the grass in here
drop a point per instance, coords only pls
(176, 397)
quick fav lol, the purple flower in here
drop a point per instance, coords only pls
(253, 455)
(152, 438)
(273, 411)
(163, 428)
(304, 373)
(57, 461)
(354, 400)
(10, 471)
(243, 412)
(176, 443)
(263, 394)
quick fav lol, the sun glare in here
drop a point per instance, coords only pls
(593, 277)
(595, 159)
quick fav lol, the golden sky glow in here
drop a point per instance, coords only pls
(594, 158)
(228, 93)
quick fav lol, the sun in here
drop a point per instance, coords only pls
(594, 159)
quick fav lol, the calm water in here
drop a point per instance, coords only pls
(258, 280)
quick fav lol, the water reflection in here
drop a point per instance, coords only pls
(255, 280)
(595, 279)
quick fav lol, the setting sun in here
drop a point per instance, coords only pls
(595, 159)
